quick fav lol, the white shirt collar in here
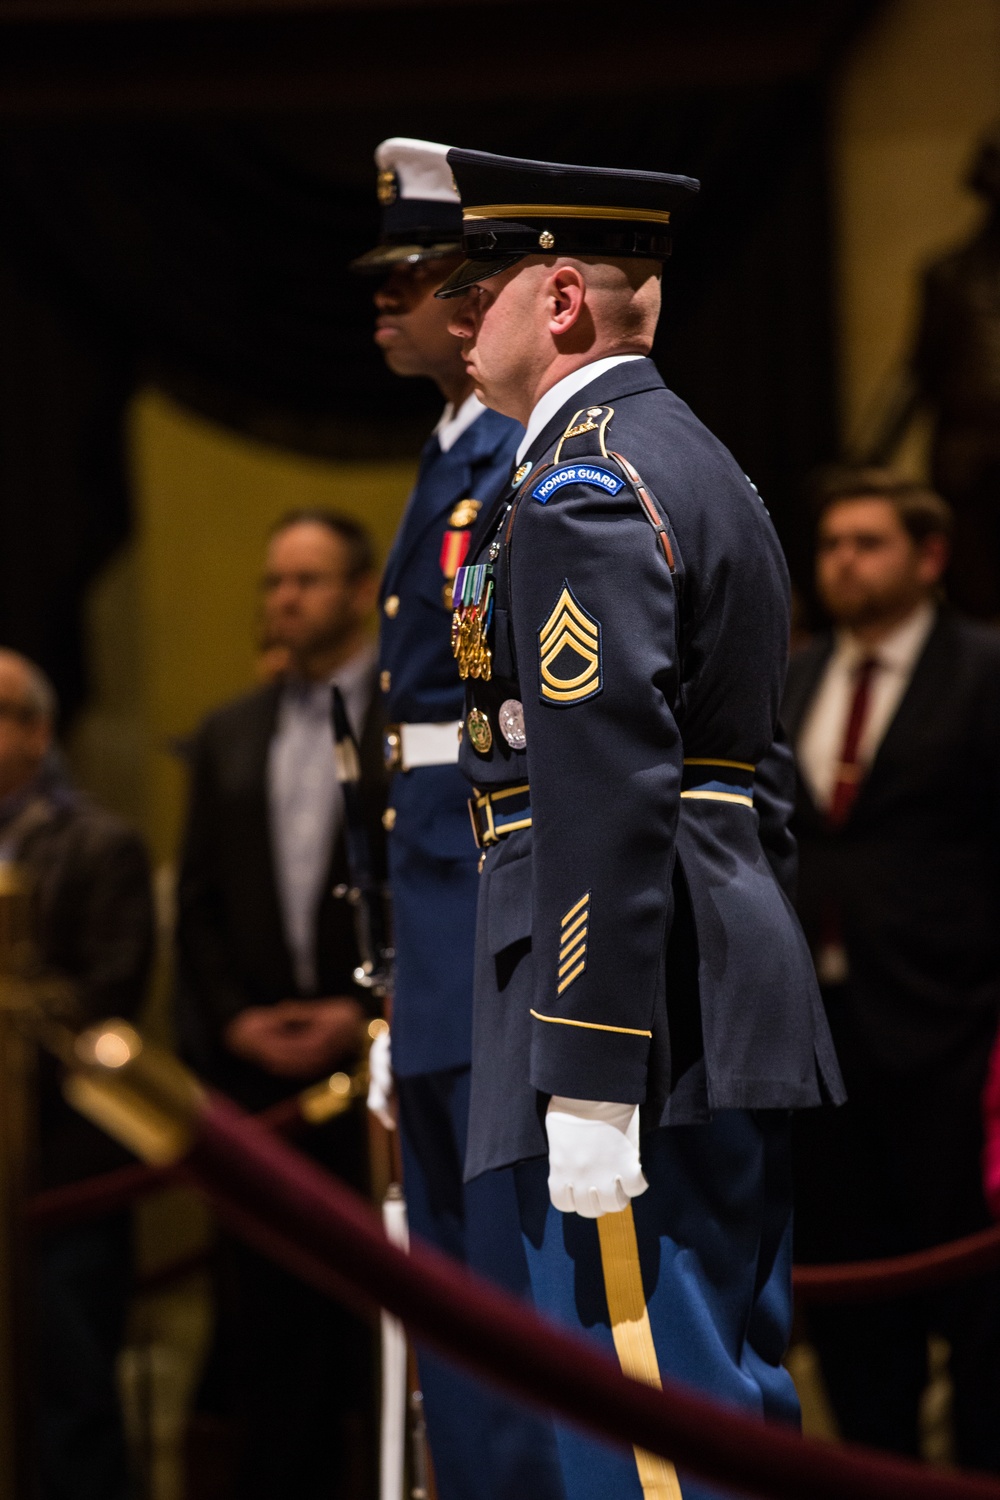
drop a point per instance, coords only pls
(899, 651)
(547, 406)
(453, 423)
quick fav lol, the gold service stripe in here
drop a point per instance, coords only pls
(574, 909)
(579, 953)
(567, 932)
(633, 1335)
(564, 984)
(565, 211)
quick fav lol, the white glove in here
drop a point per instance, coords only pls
(594, 1164)
(380, 1085)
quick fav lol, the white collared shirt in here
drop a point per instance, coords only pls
(821, 738)
(557, 396)
(305, 800)
(453, 423)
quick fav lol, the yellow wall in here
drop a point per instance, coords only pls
(172, 622)
(921, 86)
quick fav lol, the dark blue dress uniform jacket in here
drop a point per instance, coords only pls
(432, 854)
(688, 986)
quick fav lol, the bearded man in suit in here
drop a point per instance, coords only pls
(894, 715)
(266, 999)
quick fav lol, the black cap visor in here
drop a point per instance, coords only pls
(382, 258)
(471, 271)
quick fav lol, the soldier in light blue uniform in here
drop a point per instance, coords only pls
(646, 1012)
(482, 1444)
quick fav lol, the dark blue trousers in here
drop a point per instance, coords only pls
(484, 1446)
(714, 1239)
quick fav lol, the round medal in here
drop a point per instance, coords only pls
(480, 733)
(511, 717)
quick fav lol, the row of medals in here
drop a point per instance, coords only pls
(472, 595)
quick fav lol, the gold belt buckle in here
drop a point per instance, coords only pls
(480, 802)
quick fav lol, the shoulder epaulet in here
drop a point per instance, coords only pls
(584, 437)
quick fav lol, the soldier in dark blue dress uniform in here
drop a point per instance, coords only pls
(482, 1444)
(646, 1014)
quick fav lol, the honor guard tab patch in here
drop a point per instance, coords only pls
(592, 474)
(569, 653)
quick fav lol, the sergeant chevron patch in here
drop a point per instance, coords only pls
(569, 652)
(573, 943)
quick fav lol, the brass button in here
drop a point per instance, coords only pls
(385, 681)
(391, 606)
(389, 819)
(446, 596)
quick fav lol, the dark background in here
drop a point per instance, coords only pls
(184, 181)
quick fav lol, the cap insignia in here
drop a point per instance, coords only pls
(386, 188)
(547, 239)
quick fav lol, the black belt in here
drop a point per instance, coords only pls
(497, 814)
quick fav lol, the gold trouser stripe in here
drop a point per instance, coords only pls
(589, 1025)
(698, 796)
(565, 211)
(633, 1336)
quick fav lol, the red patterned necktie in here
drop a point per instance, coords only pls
(849, 769)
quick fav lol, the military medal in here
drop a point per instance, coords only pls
(480, 733)
(511, 721)
(472, 595)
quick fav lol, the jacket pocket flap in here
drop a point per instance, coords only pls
(509, 898)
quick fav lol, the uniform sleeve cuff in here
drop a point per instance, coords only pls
(581, 1062)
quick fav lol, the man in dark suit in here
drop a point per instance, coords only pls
(94, 910)
(266, 954)
(894, 715)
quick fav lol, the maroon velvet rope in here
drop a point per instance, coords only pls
(331, 1237)
(857, 1281)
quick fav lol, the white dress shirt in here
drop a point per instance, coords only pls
(547, 405)
(821, 738)
(453, 423)
(306, 804)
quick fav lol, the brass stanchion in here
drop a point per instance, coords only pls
(17, 1120)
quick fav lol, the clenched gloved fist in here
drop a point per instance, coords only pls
(594, 1166)
(381, 1088)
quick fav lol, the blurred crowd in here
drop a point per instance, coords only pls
(893, 715)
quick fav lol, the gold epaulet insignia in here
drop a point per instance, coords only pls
(588, 419)
(569, 652)
(573, 943)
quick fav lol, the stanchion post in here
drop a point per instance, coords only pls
(17, 1096)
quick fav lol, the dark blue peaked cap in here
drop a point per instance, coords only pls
(512, 208)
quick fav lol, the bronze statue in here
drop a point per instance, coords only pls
(955, 368)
